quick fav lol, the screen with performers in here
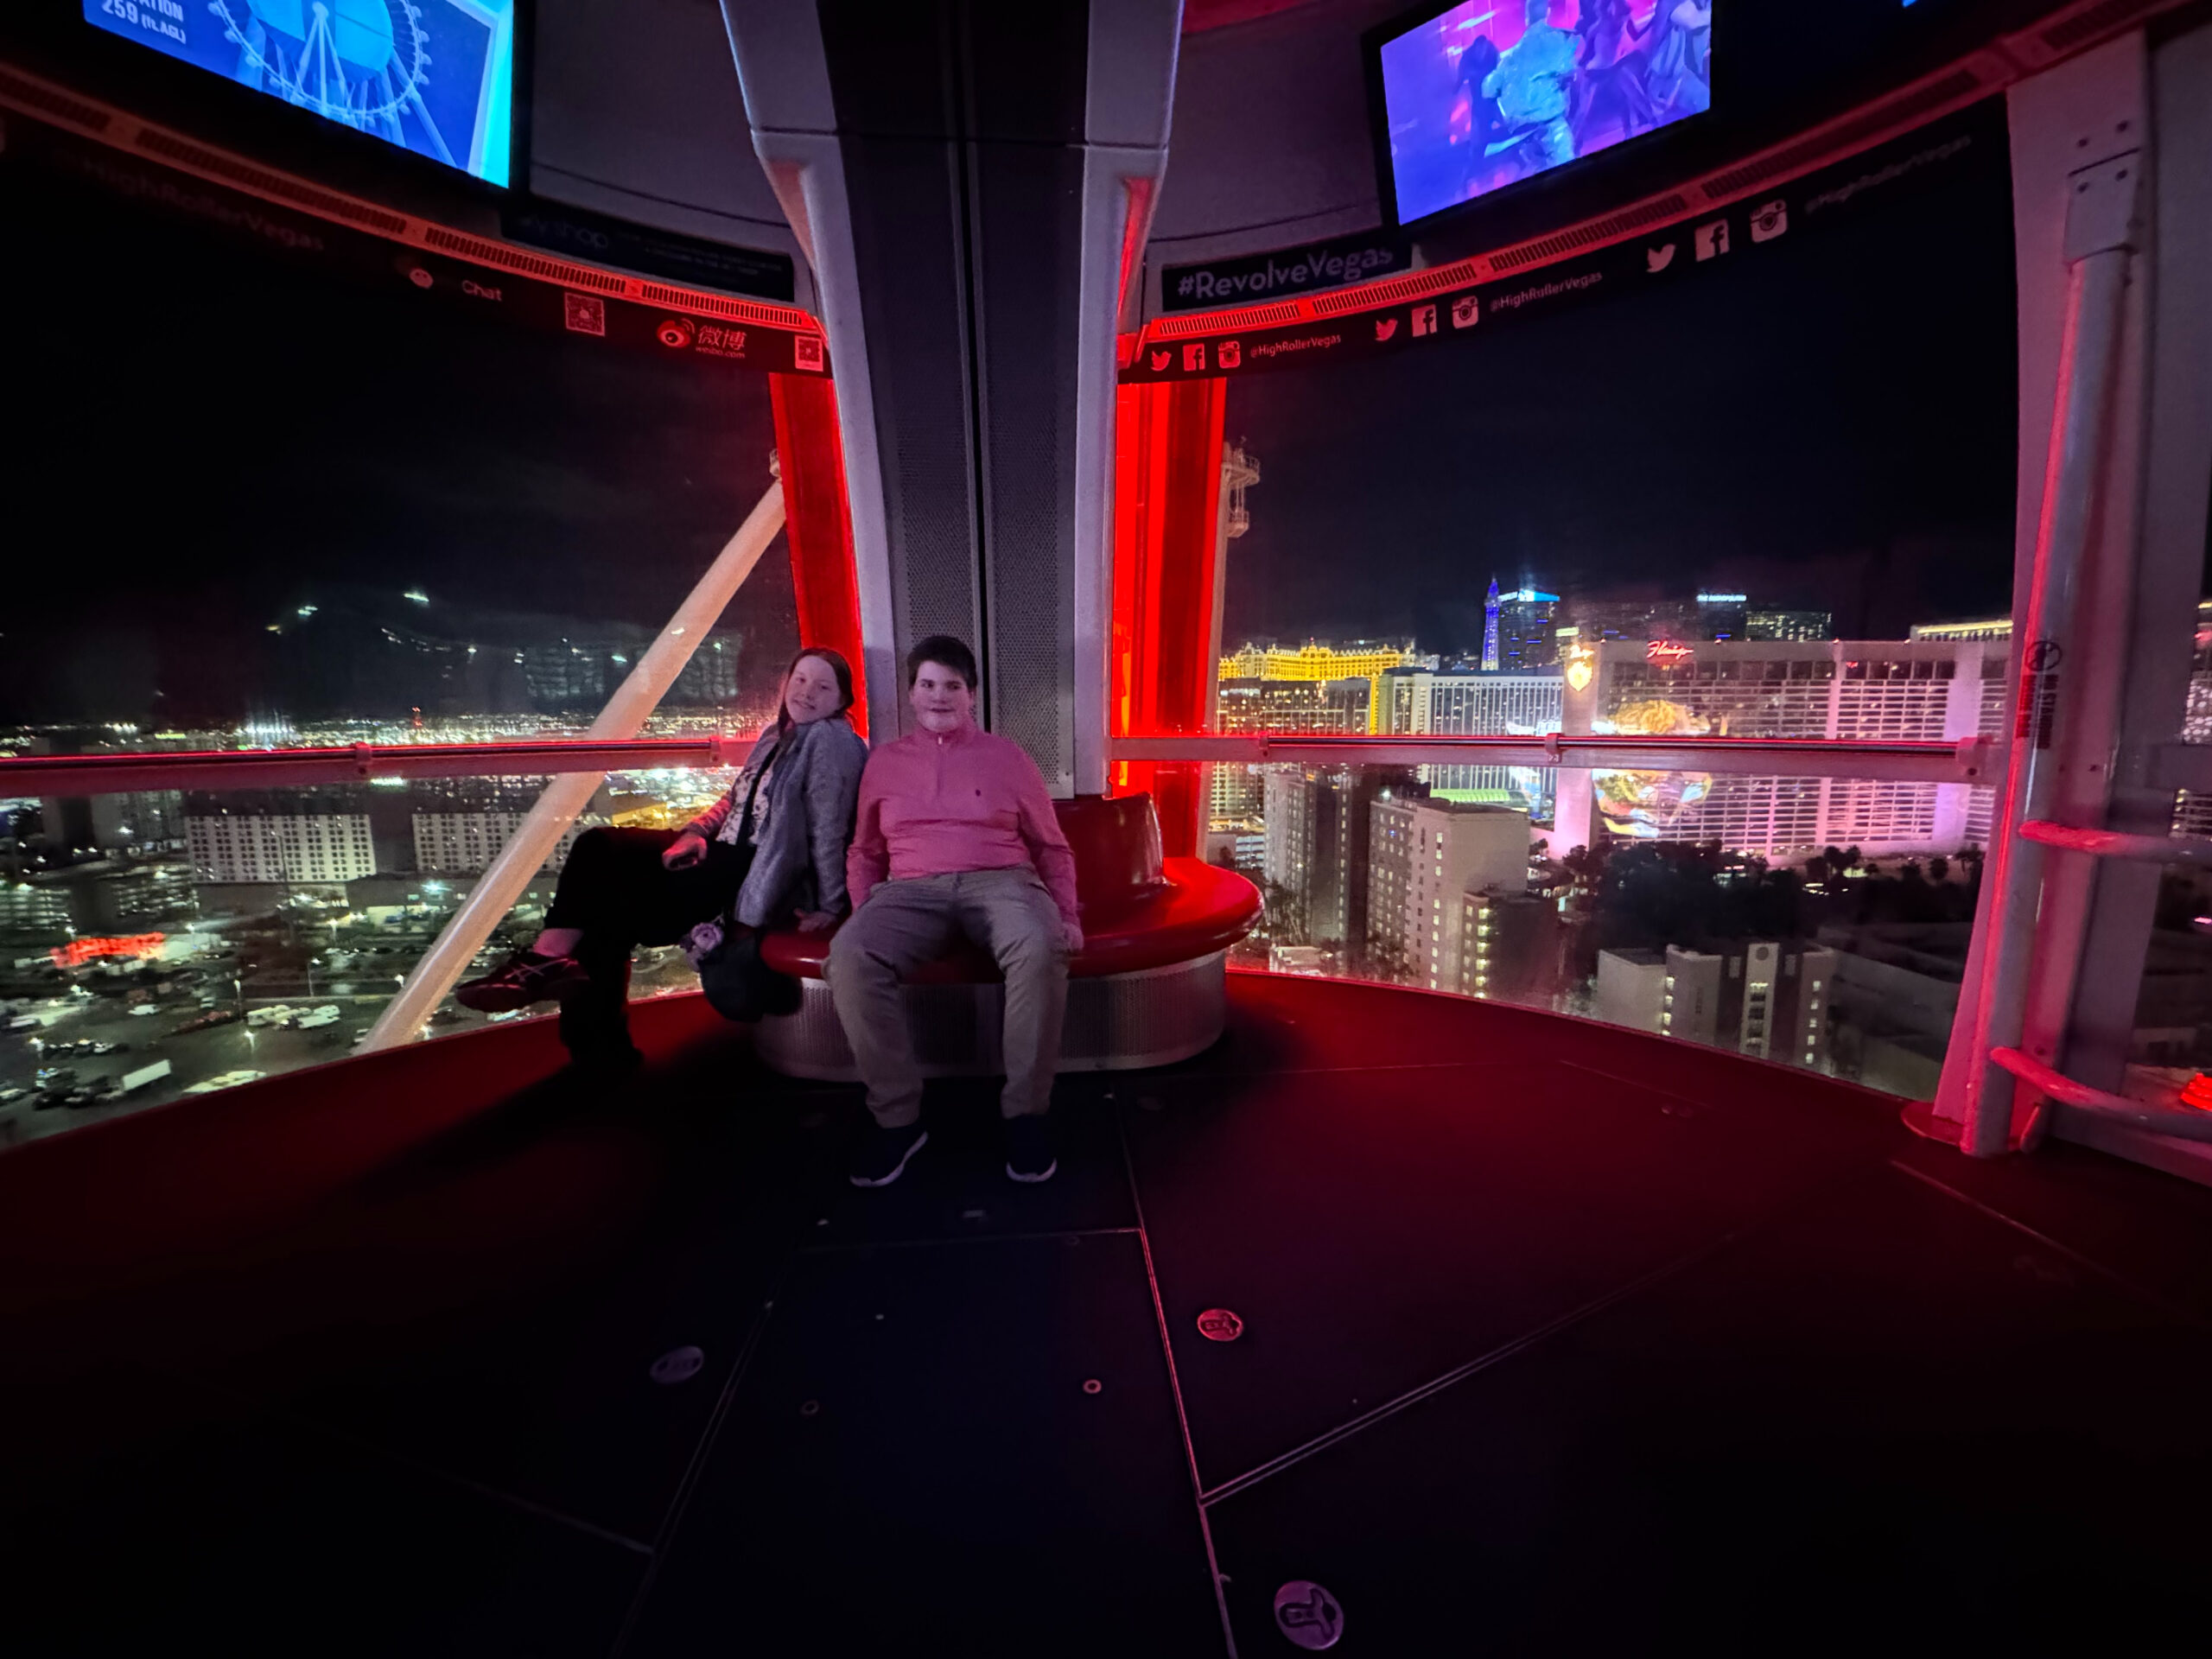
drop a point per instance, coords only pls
(1493, 92)
(434, 77)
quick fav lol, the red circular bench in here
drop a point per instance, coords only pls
(1147, 988)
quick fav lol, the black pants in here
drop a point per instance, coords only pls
(618, 894)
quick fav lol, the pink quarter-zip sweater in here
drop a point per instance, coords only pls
(933, 805)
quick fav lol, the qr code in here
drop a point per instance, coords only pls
(585, 313)
(806, 352)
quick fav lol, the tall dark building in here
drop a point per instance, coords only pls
(1316, 844)
(1520, 629)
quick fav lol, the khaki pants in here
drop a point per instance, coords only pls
(905, 924)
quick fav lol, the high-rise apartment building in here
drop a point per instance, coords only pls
(135, 821)
(1512, 948)
(233, 844)
(1316, 846)
(1424, 856)
(1389, 889)
(1769, 998)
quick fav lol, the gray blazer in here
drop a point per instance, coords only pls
(799, 863)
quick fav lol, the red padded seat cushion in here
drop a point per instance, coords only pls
(1139, 910)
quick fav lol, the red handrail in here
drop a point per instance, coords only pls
(1970, 761)
(113, 773)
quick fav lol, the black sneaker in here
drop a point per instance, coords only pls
(884, 1153)
(524, 978)
(1029, 1149)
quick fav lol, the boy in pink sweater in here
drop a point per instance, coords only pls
(955, 835)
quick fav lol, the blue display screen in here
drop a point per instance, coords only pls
(434, 77)
(1493, 92)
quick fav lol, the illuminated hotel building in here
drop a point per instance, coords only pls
(1788, 625)
(233, 846)
(1470, 704)
(1723, 616)
(1361, 659)
(1307, 707)
(28, 908)
(1464, 704)
(2000, 627)
(1597, 620)
(1916, 689)
(1517, 629)
(465, 843)
(2192, 812)
(1995, 627)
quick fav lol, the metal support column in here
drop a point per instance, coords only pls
(2175, 276)
(2022, 935)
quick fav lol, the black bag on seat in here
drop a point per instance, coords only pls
(738, 984)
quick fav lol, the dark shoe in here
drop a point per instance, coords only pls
(884, 1153)
(1029, 1149)
(524, 978)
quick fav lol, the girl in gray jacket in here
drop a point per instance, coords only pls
(773, 847)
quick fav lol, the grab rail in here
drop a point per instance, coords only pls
(2111, 844)
(2178, 1122)
(1971, 760)
(218, 769)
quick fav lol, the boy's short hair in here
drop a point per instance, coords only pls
(947, 653)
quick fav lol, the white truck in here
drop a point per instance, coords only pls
(131, 1081)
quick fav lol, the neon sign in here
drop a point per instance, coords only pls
(78, 952)
(1581, 667)
(1668, 653)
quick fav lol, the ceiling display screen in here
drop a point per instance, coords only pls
(1493, 92)
(434, 77)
